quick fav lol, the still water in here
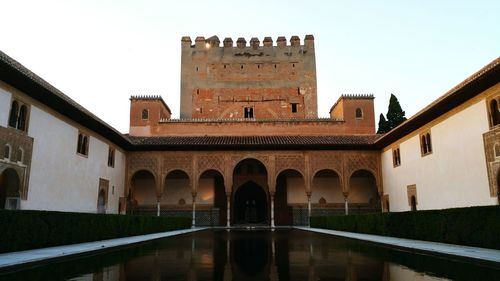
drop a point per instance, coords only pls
(257, 255)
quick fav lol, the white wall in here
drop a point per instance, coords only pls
(454, 175)
(61, 179)
(5, 101)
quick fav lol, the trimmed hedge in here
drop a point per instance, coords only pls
(26, 229)
(473, 226)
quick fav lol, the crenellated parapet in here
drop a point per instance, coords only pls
(357, 96)
(254, 43)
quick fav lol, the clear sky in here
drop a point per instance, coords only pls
(101, 52)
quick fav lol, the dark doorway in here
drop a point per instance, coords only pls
(413, 203)
(9, 187)
(250, 204)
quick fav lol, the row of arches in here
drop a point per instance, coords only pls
(250, 200)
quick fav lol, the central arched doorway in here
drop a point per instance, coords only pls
(250, 199)
(250, 204)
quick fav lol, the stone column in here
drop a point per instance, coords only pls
(346, 203)
(193, 224)
(158, 199)
(309, 209)
(272, 210)
(228, 218)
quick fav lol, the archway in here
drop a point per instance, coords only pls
(250, 196)
(9, 189)
(142, 196)
(327, 197)
(211, 199)
(290, 199)
(363, 194)
(177, 198)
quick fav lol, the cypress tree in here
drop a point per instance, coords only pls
(382, 125)
(395, 114)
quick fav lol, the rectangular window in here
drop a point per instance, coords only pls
(294, 108)
(111, 157)
(425, 143)
(248, 112)
(83, 144)
(396, 157)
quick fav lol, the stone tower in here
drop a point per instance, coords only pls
(248, 81)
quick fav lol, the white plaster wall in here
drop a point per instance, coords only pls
(454, 175)
(61, 179)
(5, 101)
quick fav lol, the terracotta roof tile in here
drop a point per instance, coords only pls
(255, 141)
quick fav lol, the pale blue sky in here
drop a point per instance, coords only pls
(101, 52)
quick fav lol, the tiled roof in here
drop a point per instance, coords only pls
(257, 142)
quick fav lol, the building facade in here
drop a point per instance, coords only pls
(249, 147)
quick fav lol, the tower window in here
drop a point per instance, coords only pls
(294, 108)
(248, 112)
(145, 114)
(359, 113)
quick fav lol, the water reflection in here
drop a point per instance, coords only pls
(257, 255)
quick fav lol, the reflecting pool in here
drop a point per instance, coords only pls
(257, 255)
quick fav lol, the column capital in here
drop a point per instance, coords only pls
(193, 194)
(345, 193)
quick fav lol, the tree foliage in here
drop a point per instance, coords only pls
(395, 116)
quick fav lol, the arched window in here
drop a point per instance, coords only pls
(495, 113)
(13, 114)
(423, 144)
(145, 114)
(21, 120)
(359, 113)
(20, 155)
(6, 153)
(429, 145)
(82, 146)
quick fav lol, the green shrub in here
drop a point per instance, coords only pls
(473, 226)
(26, 229)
